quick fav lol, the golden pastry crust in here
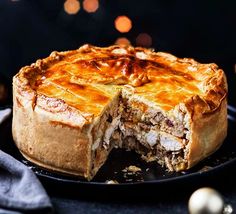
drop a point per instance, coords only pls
(62, 98)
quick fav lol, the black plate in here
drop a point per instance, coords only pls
(119, 160)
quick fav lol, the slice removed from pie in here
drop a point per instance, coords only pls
(72, 108)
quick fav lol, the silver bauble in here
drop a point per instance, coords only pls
(206, 201)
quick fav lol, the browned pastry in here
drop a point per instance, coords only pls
(73, 107)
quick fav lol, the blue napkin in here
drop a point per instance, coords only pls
(20, 190)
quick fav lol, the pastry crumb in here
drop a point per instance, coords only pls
(132, 169)
(205, 169)
(112, 182)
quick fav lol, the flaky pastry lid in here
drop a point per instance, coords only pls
(87, 78)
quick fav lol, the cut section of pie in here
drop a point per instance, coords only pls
(72, 108)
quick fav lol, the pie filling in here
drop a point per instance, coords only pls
(132, 125)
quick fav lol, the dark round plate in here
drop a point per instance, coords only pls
(118, 160)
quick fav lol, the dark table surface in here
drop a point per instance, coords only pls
(169, 198)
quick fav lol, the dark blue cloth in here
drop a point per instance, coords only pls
(20, 190)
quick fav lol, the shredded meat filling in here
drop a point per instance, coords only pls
(155, 138)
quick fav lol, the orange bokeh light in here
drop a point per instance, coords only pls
(122, 41)
(123, 24)
(90, 6)
(144, 39)
(71, 6)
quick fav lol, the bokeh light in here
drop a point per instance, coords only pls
(123, 24)
(122, 41)
(144, 40)
(2, 92)
(90, 6)
(71, 6)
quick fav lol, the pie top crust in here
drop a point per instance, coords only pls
(72, 89)
(87, 79)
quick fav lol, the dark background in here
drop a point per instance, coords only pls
(31, 29)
